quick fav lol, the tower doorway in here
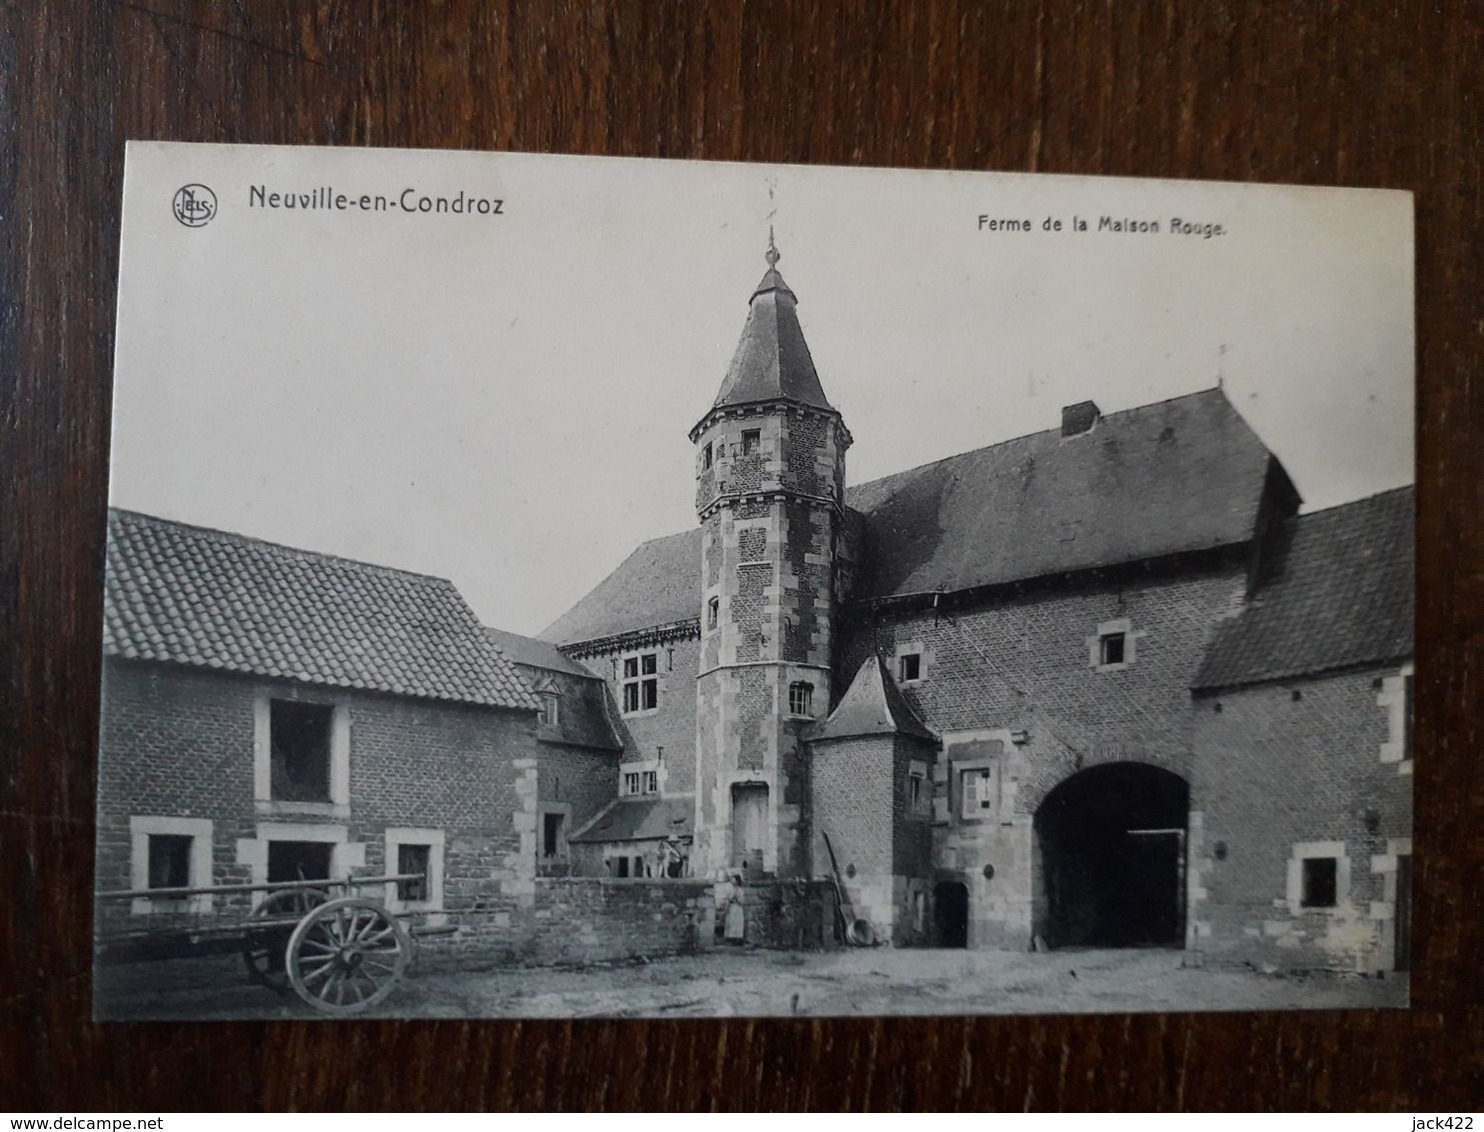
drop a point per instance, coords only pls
(749, 821)
(1112, 852)
(951, 914)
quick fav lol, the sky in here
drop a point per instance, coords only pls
(504, 399)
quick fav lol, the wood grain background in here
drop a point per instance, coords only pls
(1380, 94)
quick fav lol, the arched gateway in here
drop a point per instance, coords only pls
(1110, 843)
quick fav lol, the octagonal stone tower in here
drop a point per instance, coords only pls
(770, 482)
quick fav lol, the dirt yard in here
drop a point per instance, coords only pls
(728, 982)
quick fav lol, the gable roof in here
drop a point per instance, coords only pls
(1343, 595)
(772, 360)
(872, 706)
(191, 595)
(1181, 475)
(658, 584)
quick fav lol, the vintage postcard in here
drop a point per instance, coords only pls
(552, 587)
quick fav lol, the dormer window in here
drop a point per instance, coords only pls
(637, 779)
(550, 702)
(751, 441)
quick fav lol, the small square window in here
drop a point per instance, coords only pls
(170, 860)
(1320, 879)
(751, 441)
(909, 667)
(1111, 648)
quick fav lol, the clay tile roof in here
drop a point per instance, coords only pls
(659, 584)
(872, 706)
(640, 819)
(191, 595)
(1340, 594)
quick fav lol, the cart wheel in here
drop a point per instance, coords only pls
(263, 948)
(347, 955)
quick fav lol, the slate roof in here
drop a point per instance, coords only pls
(583, 716)
(772, 358)
(1181, 475)
(873, 705)
(640, 819)
(535, 653)
(210, 599)
(658, 584)
(1343, 595)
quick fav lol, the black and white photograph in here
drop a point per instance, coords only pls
(560, 587)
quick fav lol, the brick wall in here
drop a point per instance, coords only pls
(179, 742)
(673, 724)
(1282, 764)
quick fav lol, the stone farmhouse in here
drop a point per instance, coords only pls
(1101, 685)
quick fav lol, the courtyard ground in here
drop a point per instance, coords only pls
(728, 982)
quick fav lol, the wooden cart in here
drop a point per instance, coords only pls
(339, 951)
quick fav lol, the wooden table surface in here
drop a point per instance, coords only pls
(1374, 94)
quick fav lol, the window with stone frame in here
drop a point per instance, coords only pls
(713, 613)
(553, 824)
(801, 698)
(706, 456)
(976, 793)
(919, 790)
(1320, 882)
(300, 737)
(751, 441)
(416, 859)
(170, 860)
(909, 667)
(641, 686)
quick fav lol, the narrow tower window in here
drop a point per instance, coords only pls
(751, 441)
(801, 699)
(713, 612)
(706, 457)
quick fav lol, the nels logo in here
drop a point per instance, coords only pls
(194, 205)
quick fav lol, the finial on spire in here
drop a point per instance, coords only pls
(772, 255)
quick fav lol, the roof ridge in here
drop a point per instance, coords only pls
(1364, 499)
(1054, 430)
(303, 551)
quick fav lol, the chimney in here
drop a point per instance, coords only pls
(1079, 418)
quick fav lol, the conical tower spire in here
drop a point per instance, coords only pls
(772, 361)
